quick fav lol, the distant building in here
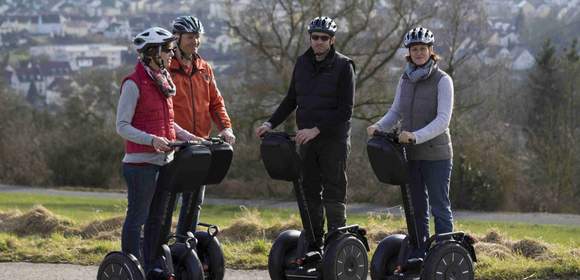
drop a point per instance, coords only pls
(77, 55)
(33, 78)
(46, 24)
(51, 24)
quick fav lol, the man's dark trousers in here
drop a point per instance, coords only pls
(324, 183)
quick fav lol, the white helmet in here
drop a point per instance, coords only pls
(419, 35)
(154, 36)
(324, 25)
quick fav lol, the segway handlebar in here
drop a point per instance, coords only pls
(206, 141)
(280, 133)
(391, 136)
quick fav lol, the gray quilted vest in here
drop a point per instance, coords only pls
(418, 108)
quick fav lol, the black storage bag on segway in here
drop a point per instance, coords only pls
(188, 170)
(221, 159)
(387, 160)
(279, 155)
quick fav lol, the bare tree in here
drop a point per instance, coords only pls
(275, 34)
(463, 31)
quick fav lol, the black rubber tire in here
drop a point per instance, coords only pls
(210, 253)
(448, 260)
(120, 266)
(345, 259)
(385, 257)
(186, 264)
(283, 249)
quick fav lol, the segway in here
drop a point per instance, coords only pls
(448, 256)
(192, 166)
(345, 249)
(206, 243)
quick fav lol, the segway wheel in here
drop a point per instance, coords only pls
(448, 260)
(120, 266)
(345, 259)
(282, 252)
(384, 259)
(186, 264)
(211, 256)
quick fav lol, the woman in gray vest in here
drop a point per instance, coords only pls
(423, 105)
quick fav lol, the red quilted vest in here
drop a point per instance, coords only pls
(154, 111)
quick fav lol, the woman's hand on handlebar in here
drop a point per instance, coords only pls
(195, 138)
(160, 144)
(407, 137)
(371, 130)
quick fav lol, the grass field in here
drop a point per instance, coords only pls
(74, 232)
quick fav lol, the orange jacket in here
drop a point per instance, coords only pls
(198, 100)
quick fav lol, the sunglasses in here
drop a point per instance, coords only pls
(316, 37)
(167, 50)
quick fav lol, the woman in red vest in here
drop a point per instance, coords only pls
(145, 121)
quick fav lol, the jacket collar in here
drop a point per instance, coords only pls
(328, 60)
(198, 63)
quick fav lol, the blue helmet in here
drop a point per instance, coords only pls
(419, 35)
(324, 25)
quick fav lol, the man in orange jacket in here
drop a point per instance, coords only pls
(197, 103)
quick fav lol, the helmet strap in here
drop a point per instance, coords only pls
(158, 59)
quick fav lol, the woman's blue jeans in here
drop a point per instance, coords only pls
(141, 183)
(430, 187)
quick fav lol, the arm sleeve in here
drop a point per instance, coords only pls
(444, 110)
(346, 92)
(286, 107)
(181, 133)
(217, 105)
(392, 116)
(125, 113)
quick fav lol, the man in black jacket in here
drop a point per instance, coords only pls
(322, 92)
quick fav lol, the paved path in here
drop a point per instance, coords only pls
(34, 271)
(532, 218)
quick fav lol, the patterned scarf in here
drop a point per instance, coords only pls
(416, 73)
(163, 80)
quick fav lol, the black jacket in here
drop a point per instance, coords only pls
(322, 94)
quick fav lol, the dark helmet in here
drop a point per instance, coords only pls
(187, 24)
(154, 36)
(324, 25)
(419, 35)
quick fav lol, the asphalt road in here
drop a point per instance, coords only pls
(34, 271)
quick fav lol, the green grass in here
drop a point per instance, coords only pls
(78, 209)
(564, 241)
(85, 209)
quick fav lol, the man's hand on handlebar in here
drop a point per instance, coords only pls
(228, 135)
(305, 135)
(261, 130)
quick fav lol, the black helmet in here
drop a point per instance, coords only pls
(419, 35)
(187, 24)
(324, 25)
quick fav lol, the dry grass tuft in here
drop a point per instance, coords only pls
(37, 221)
(493, 250)
(530, 248)
(108, 229)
